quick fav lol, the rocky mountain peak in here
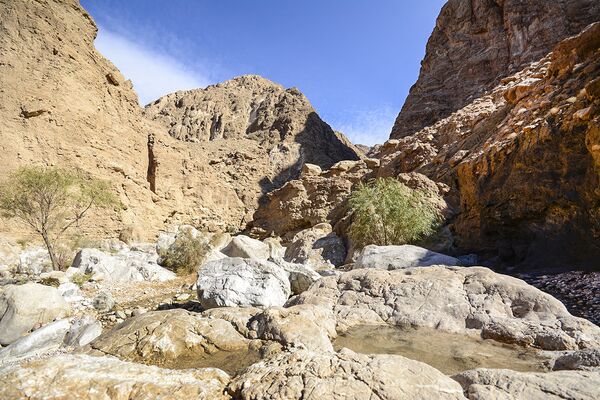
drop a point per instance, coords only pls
(475, 43)
(251, 107)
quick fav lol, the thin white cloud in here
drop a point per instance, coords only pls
(367, 127)
(154, 73)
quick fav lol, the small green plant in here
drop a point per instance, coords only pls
(79, 279)
(186, 254)
(52, 200)
(387, 212)
(50, 282)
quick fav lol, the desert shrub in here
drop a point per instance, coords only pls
(186, 254)
(79, 279)
(50, 282)
(387, 212)
(52, 200)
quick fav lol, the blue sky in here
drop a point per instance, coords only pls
(355, 60)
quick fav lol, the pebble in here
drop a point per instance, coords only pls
(120, 315)
(182, 297)
(579, 291)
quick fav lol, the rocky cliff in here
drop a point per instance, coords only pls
(279, 125)
(522, 161)
(62, 103)
(475, 43)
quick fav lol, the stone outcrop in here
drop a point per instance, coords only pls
(171, 339)
(126, 265)
(345, 375)
(476, 43)
(507, 384)
(317, 247)
(63, 104)
(452, 299)
(316, 197)
(27, 307)
(86, 377)
(64, 333)
(255, 133)
(233, 282)
(522, 161)
(302, 326)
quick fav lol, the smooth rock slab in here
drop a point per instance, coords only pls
(345, 375)
(587, 359)
(453, 299)
(26, 307)
(75, 332)
(170, 338)
(237, 282)
(399, 257)
(504, 384)
(305, 326)
(87, 377)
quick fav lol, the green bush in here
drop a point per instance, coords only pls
(79, 279)
(387, 212)
(186, 254)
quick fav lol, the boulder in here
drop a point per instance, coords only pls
(239, 317)
(300, 276)
(580, 359)
(398, 257)
(34, 261)
(309, 375)
(507, 384)
(70, 292)
(246, 247)
(9, 254)
(47, 338)
(126, 265)
(317, 247)
(79, 376)
(305, 326)
(27, 307)
(453, 299)
(75, 332)
(233, 282)
(103, 302)
(171, 338)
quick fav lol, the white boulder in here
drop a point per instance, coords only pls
(399, 257)
(27, 307)
(238, 282)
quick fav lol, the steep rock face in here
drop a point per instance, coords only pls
(523, 161)
(63, 104)
(475, 43)
(268, 131)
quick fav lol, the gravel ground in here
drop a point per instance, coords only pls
(579, 291)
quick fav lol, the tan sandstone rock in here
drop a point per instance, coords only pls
(86, 377)
(345, 375)
(471, 300)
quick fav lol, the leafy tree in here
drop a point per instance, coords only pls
(52, 200)
(387, 212)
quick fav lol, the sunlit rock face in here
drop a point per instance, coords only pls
(476, 43)
(522, 161)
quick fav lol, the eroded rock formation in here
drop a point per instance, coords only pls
(476, 43)
(522, 160)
